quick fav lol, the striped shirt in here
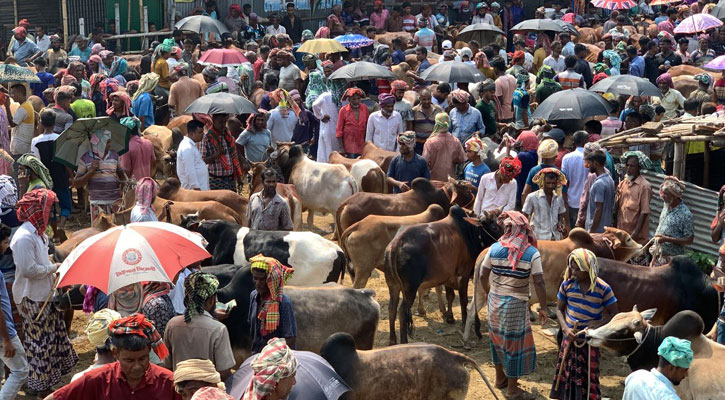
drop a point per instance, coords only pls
(585, 308)
(103, 186)
(506, 281)
(569, 79)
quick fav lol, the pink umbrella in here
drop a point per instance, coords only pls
(698, 23)
(222, 58)
(569, 17)
(614, 4)
(138, 252)
(718, 64)
(662, 2)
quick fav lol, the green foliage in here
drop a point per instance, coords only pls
(705, 261)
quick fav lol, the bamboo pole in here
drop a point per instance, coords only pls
(678, 162)
(128, 25)
(706, 166)
(64, 6)
(15, 10)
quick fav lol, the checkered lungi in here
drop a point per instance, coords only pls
(509, 331)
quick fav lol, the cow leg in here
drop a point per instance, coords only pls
(310, 218)
(441, 306)
(450, 296)
(421, 308)
(406, 319)
(68, 318)
(393, 313)
(463, 298)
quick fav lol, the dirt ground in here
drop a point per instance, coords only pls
(431, 329)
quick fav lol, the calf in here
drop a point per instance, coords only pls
(630, 334)
(404, 372)
(164, 141)
(431, 254)
(380, 156)
(171, 190)
(319, 312)
(101, 224)
(315, 259)
(321, 186)
(285, 190)
(172, 212)
(367, 174)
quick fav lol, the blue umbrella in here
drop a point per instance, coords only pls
(354, 41)
(316, 379)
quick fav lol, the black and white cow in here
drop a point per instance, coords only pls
(315, 259)
(319, 312)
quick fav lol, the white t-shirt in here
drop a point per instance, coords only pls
(190, 167)
(271, 30)
(288, 75)
(22, 133)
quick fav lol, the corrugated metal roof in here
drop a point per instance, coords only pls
(701, 202)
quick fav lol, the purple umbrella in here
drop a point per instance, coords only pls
(698, 23)
(718, 64)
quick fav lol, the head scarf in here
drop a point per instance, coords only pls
(181, 66)
(282, 98)
(250, 120)
(127, 302)
(67, 79)
(108, 86)
(94, 58)
(442, 122)
(522, 79)
(126, 101)
(284, 54)
(96, 80)
(642, 159)
(307, 35)
(20, 32)
(704, 78)
(146, 190)
(97, 328)
(613, 57)
(195, 369)
(137, 324)
(548, 148)
(677, 352)
(274, 363)
(210, 71)
(665, 37)
(235, 7)
(666, 79)
(8, 191)
(277, 276)
(35, 207)
(28, 160)
(540, 176)
(97, 48)
(518, 55)
(517, 236)
(323, 33)
(510, 167)
(199, 287)
(598, 77)
(602, 68)
(294, 96)
(167, 45)
(211, 393)
(99, 138)
(585, 261)
(147, 83)
(481, 60)
(543, 40)
(546, 73)
(398, 85)
(407, 138)
(352, 92)
(386, 98)
(477, 146)
(460, 96)
(529, 140)
(382, 52)
(672, 186)
(104, 53)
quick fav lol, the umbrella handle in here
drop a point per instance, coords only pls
(47, 299)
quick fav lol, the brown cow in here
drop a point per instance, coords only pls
(364, 242)
(436, 253)
(171, 190)
(685, 85)
(613, 243)
(100, 224)
(685, 70)
(169, 211)
(422, 194)
(416, 371)
(180, 122)
(589, 35)
(593, 54)
(380, 156)
(286, 190)
(367, 174)
(163, 140)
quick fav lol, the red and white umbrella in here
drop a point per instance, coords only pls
(222, 58)
(614, 4)
(663, 2)
(137, 252)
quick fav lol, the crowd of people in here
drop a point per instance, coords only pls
(158, 340)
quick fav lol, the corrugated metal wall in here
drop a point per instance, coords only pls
(44, 12)
(701, 202)
(92, 11)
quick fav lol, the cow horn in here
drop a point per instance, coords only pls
(635, 308)
(638, 336)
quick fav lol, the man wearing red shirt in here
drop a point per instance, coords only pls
(132, 376)
(352, 124)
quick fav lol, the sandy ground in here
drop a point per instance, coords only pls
(431, 329)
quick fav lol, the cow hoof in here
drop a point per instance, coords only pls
(450, 319)
(392, 342)
(421, 313)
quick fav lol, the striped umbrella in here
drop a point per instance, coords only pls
(614, 4)
(698, 23)
(663, 2)
(354, 41)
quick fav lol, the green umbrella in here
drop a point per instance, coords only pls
(14, 73)
(76, 140)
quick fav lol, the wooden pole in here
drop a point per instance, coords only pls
(15, 10)
(678, 162)
(128, 25)
(64, 6)
(706, 166)
(117, 18)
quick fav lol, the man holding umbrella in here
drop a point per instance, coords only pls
(220, 155)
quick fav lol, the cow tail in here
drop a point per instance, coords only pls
(348, 263)
(353, 185)
(338, 224)
(391, 257)
(384, 182)
(469, 361)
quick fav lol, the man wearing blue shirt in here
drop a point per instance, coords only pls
(406, 166)
(398, 55)
(82, 51)
(466, 121)
(636, 62)
(24, 50)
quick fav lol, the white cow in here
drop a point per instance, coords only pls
(321, 186)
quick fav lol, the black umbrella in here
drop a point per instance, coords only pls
(537, 25)
(201, 24)
(451, 72)
(567, 27)
(362, 70)
(572, 104)
(221, 103)
(718, 11)
(316, 379)
(627, 85)
(482, 32)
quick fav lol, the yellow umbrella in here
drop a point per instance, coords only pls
(317, 46)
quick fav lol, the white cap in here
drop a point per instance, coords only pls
(447, 44)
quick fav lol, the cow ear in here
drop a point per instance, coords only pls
(648, 314)
(472, 221)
